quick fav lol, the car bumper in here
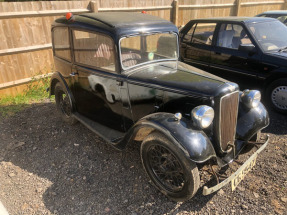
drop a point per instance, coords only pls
(237, 176)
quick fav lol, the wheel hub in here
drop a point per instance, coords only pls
(279, 97)
(166, 168)
(65, 104)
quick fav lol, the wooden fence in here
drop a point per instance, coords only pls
(25, 47)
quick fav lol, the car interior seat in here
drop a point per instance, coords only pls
(225, 38)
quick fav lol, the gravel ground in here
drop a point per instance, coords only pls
(48, 167)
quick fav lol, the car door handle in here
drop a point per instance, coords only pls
(73, 74)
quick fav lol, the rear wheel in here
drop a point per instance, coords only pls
(63, 103)
(277, 95)
(174, 174)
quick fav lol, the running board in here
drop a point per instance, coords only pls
(110, 135)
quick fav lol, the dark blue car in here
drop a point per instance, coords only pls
(250, 51)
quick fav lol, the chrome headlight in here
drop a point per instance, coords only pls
(250, 98)
(202, 116)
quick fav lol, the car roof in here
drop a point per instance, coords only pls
(235, 19)
(274, 12)
(118, 23)
(119, 19)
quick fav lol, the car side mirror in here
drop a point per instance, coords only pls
(249, 48)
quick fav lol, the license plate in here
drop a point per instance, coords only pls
(240, 176)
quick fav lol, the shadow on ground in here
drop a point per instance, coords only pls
(278, 123)
(87, 175)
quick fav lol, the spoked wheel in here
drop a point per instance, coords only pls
(63, 104)
(168, 167)
(277, 95)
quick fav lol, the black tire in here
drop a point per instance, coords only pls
(174, 174)
(277, 95)
(63, 104)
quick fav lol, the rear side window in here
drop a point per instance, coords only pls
(61, 43)
(94, 49)
(203, 33)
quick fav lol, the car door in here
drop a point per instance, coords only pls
(97, 85)
(195, 47)
(232, 63)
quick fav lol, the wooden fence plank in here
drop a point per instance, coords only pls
(25, 49)
(11, 15)
(23, 81)
(262, 3)
(238, 6)
(175, 13)
(94, 5)
(207, 5)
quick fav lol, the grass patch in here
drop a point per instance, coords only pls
(35, 93)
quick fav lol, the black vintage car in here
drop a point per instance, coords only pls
(119, 74)
(249, 51)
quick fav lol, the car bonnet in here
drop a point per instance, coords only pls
(177, 76)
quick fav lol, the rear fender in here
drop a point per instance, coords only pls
(251, 121)
(57, 77)
(194, 143)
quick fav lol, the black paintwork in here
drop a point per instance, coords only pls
(193, 142)
(249, 120)
(120, 105)
(254, 70)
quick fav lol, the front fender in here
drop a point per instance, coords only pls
(250, 121)
(194, 143)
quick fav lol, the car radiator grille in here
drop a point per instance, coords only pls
(228, 119)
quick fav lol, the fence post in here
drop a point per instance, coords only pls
(237, 7)
(94, 6)
(284, 6)
(175, 12)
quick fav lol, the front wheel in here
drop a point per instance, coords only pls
(174, 174)
(277, 95)
(63, 103)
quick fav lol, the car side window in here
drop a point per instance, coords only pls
(61, 43)
(188, 35)
(231, 36)
(94, 49)
(203, 33)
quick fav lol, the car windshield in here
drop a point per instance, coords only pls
(272, 36)
(147, 48)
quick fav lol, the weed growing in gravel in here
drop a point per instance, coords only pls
(34, 93)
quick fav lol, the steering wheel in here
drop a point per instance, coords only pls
(133, 60)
